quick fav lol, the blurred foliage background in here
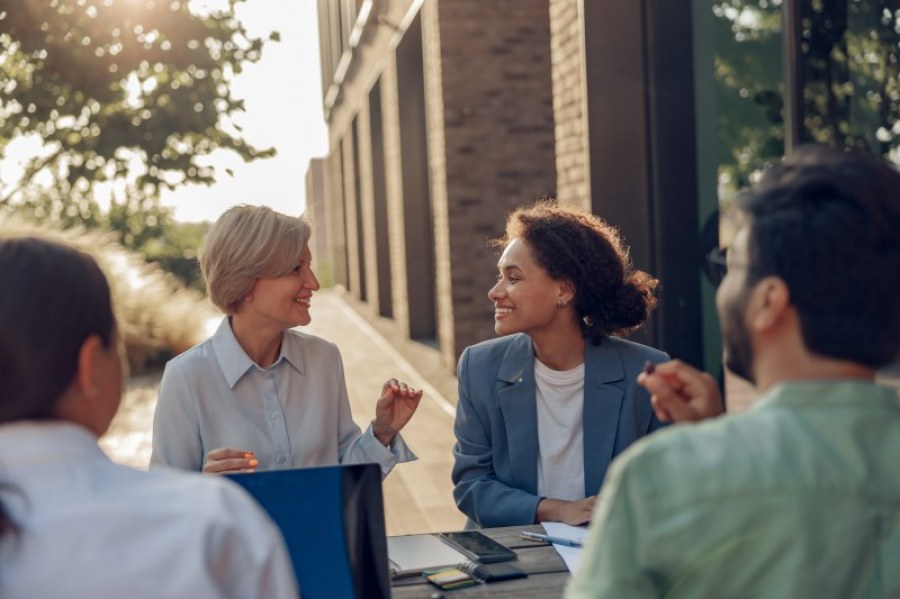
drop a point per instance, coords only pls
(106, 103)
(849, 76)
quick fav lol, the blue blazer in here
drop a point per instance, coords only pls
(496, 451)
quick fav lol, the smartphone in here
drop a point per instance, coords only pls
(478, 547)
(495, 572)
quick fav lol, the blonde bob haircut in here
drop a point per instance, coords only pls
(249, 243)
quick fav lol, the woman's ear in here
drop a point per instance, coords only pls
(82, 403)
(88, 366)
(566, 291)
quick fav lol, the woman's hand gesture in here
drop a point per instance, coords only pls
(397, 404)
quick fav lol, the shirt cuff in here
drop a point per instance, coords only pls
(386, 457)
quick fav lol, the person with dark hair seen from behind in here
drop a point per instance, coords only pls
(73, 523)
(543, 409)
(800, 495)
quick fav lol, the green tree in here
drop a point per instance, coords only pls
(128, 96)
(849, 75)
(750, 88)
(150, 230)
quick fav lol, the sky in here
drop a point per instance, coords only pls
(283, 101)
(283, 95)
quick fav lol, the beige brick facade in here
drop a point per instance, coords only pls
(570, 102)
(488, 135)
(393, 182)
(315, 181)
(491, 142)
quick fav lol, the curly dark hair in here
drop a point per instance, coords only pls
(611, 296)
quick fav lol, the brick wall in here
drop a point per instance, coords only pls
(569, 102)
(334, 202)
(316, 212)
(491, 143)
(354, 235)
(390, 114)
(367, 202)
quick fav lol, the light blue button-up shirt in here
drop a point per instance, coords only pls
(293, 414)
(797, 497)
(89, 528)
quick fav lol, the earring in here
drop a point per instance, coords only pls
(587, 320)
(562, 302)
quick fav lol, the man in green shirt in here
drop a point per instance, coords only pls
(800, 495)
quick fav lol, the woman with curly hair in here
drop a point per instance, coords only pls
(544, 409)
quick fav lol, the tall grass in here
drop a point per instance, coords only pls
(158, 316)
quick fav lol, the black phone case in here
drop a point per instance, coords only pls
(504, 553)
(495, 572)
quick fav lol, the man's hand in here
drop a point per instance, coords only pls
(574, 513)
(681, 393)
(397, 404)
(228, 459)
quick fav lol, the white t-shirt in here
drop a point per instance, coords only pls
(91, 528)
(560, 407)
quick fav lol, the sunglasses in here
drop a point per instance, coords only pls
(716, 265)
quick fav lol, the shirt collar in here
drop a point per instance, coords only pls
(292, 350)
(28, 443)
(235, 362)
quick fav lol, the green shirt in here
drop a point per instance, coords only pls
(797, 497)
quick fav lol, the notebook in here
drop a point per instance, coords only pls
(412, 554)
(332, 520)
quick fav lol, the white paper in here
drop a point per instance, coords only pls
(570, 555)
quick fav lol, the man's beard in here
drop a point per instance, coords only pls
(738, 348)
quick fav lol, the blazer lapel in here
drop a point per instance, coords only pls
(602, 407)
(519, 411)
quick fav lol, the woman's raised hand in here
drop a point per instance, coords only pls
(228, 459)
(397, 404)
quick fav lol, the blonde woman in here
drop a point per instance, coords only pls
(259, 395)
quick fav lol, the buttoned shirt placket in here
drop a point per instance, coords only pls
(276, 424)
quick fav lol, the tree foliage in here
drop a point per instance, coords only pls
(849, 76)
(851, 73)
(127, 95)
(750, 87)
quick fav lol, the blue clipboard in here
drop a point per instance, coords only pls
(332, 520)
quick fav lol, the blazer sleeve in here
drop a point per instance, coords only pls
(477, 491)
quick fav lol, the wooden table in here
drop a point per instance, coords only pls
(547, 573)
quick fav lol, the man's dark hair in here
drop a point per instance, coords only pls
(827, 222)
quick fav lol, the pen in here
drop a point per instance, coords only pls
(536, 536)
